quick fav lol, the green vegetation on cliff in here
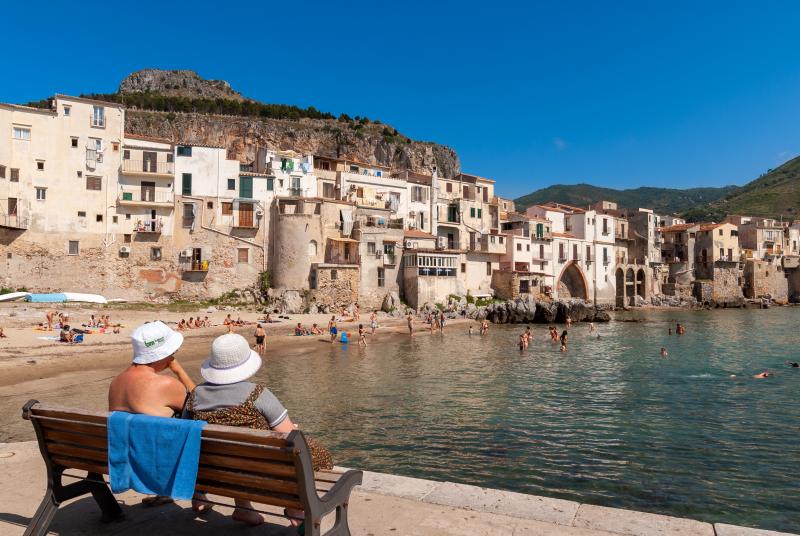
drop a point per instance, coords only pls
(774, 194)
(662, 200)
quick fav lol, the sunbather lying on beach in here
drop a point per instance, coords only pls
(2, 334)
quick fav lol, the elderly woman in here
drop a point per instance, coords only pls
(228, 398)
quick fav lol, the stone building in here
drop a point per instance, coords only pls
(764, 279)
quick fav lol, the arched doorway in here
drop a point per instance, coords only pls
(630, 286)
(572, 284)
(620, 280)
(640, 284)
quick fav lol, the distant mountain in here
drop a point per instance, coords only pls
(774, 194)
(662, 200)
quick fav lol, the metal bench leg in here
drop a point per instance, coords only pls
(40, 522)
(104, 498)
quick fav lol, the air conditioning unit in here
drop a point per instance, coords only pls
(441, 242)
(259, 213)
(409, 244)
(124, 250)
(187, 253)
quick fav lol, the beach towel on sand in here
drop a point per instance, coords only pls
(153, 455)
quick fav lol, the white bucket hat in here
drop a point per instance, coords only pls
(153, 342)
(231, 360)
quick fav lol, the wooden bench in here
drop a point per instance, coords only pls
(264, 467)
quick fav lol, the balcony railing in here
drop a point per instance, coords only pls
(390, 259)
(562, 257)
(606, 261)
(148, 226)
(14, 221)
(148, 167)
(296, 192)
(146, 196)
(195, 266)
(537, 256)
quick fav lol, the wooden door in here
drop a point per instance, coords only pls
(12, 206)
(245, 214)
(148, 191)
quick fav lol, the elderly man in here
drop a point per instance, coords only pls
(141, 389)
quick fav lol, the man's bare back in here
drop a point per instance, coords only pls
(141, 389)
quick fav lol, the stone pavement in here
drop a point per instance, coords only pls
(385, 504)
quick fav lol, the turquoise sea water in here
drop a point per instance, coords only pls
(609, 422)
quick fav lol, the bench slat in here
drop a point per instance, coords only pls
(246, 451)
(77, 452)
(247, 464)
(219, 476)
(75, 439)
(249, 494)
(69, 414)
(245, 435)
(77, 427)
(83, 465)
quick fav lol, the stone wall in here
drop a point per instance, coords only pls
(762, 279)
(793, 277)
(40, 263)
(341, 290)
(722, 291)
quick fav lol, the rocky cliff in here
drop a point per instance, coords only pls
(243, 135)
(182, 115)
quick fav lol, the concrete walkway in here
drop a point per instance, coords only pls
(385, 504)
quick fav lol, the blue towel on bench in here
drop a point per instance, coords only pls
(153, 455)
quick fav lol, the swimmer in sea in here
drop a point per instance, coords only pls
(793, 364)
(764, 374)
(470, 329)
(669, 331)
(563, 347)
(664, 352)
(522, 342)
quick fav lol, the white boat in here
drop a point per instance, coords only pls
(87, 298)
(11, 296)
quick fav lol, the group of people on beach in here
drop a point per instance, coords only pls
(194, 323)
(227, 396)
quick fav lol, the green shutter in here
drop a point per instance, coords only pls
(539, 230)
(480, 212)
(472, 212)
(270, 184)
(246, 187)
(186, 184)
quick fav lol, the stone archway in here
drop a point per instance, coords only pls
(641, 287)
(630, 286)
(572, 283)
(620, 290)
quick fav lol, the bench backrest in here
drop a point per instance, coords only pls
(261, 466)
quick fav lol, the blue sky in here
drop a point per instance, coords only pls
(616, 93)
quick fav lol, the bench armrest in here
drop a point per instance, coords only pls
(340, 492)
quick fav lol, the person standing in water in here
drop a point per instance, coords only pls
(664, 352)
(410, 320)
(679, 329)
(373, 321)
(259, 335)
(564, 338)
(332, 328)
(362, 336)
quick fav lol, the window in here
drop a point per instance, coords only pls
(73, 247)
(480, 213)
(2, 172)
(388, 249)
(270, 184)
(21, 133)
(244, 255)
(327, 190)
(80, 174)
(115, 146)
(40, 165)
(519, 247)
(488, 268)
(209, 204)
(98, 218)
(720, 232)
(231, 184)
(184, 150)
(67, 110)
(126, 154)
(114, 219)
(312, 248)
(721, 252)
(449, 187)
(127, 216)
(98, 116)
(334, 275)
(381, 277)
(370, 248)
(463, 267)
(126, 238)
(472, 212)
(527, 247)
(81, 213)
(188, 214)
(186, 184)
(41, 193)
(155, 254)
(94, 183)
(227, 208)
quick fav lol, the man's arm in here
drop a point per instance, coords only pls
(184, 378)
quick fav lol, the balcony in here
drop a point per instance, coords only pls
(148, 167)
(295, 192)
(542, 236)
(146, 197)
(562, 257)
(14, 221)
(389, 259)
(490, 243)
(195, 266)
(544, 256)
(148, 226)
(589, 259)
